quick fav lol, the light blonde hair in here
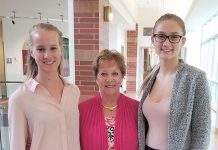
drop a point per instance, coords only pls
(32, 66)
(173, 17)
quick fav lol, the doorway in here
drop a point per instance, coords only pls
(3, 90)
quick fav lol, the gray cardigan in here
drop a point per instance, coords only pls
(189, 121)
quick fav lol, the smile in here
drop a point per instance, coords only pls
(48, 62)
(110, 86)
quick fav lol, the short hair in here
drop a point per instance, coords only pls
(109, 55)
(170, 17)
(32, 66)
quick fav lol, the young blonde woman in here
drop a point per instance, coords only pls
(43, 112)
(174, 111)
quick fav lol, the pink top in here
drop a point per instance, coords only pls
(110, 124)
(49, 125)
(93, 130)
(157, 115)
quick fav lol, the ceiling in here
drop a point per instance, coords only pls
(138, 9)
(31, 8)
(55, 8)
(179, 7)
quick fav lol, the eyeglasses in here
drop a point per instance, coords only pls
(162, 38)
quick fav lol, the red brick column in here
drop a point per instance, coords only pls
(146, 62)
(131, 60)
(91, 36)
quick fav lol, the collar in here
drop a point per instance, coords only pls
(32, 83)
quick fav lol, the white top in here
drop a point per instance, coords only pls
(157, 114)
(33, 115)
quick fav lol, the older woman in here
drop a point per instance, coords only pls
(109, 120)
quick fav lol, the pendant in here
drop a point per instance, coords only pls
(110, 108)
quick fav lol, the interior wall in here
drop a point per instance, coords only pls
(117, 36)
(2, 64)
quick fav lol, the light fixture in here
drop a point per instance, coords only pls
(47, 21)
(40, 15)
(13, 17)
(107, 13)
(62, 18)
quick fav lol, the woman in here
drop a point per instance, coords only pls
(109, 120)
(43, 112)
(174, 112)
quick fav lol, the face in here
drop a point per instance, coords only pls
(109, 78)
(46, 50)
(167, 49)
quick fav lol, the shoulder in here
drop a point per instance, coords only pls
(130, 100)
(74, 87)
(70, 85)
(87, 103)
(19, 93)
(188, 73)
(191, 70)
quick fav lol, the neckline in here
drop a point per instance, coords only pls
(158, 102)
(110, 108)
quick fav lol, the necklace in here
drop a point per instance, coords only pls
(110, 108)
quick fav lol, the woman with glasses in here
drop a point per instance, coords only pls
(108, 121)
(174, 111)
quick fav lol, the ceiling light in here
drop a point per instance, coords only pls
(40, 15)
(62, 18)
(13, 17)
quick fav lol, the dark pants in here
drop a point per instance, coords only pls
(149, 148)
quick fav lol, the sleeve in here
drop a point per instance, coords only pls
(17, 125)
(201, 119)
(77, 93)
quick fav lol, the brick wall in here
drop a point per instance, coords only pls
(146, 62)
(131, 60)
(91, 36)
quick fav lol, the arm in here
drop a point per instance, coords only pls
(17, 126)
(201, 117)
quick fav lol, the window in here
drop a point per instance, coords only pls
(209, 55)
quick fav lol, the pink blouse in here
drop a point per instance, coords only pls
(110, 124)
(49, 125)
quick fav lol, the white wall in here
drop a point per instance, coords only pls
(113, 37)
(143, 41)
(117, 36)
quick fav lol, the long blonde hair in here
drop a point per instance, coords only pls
(32, 66)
